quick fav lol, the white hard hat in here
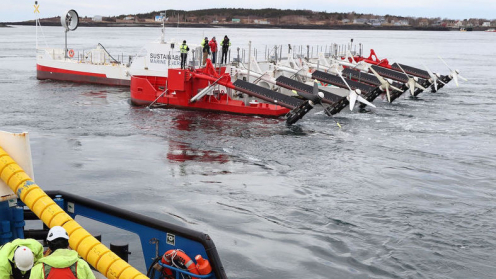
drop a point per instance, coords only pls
(57, 232)
(24, 258)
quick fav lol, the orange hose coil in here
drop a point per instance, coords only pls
(88, 247)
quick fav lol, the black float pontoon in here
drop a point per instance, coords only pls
(267, 94)
(369, 92)
(336, 102)
(373, 80)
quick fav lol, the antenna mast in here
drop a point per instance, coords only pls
(37, 11)
(163, 15)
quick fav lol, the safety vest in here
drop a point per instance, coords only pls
(184, 48)
(206, 47)
(7, 251)
(225, 43)
(60, 273)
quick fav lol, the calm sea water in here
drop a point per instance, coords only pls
(405, 191)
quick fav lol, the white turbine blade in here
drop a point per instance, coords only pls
(388, 95)
(315, 87)
(403, 71)
(445, 63)
(366, 66)
(353, 97)
(305, 68)
(419, 86)
(429, 71)
(363, 101)
(334, 68)
(433, 77)
(362, 66)
(395, 88)
(411, 86)
(381, 79)
(339, 73)
(455, 78)
(462, 77)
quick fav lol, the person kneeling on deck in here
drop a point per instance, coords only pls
(206, 50)
(62, 262)
(184, 54)
(17, 258)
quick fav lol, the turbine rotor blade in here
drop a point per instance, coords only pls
(433, 77)
(411, 86)
(341, 76)
(445, 63)
(353, 97)
(419, 86)
(363, 101)
(403, 71)
(395, 88)
(381, 79)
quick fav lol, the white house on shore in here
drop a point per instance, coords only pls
(458, 24)
(402, 22)
(360, 21)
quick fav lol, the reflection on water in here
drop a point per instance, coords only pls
(181, 152)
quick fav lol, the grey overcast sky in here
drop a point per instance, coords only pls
(20, 10)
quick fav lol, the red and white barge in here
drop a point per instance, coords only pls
(200, 89)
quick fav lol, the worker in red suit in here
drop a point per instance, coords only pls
(213, 49)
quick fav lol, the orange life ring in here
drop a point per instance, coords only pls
(71, 53)
(178, 256)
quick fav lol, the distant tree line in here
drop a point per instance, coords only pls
(287, 17)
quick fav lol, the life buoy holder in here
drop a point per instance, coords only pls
(178, 257)
(71, 53)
